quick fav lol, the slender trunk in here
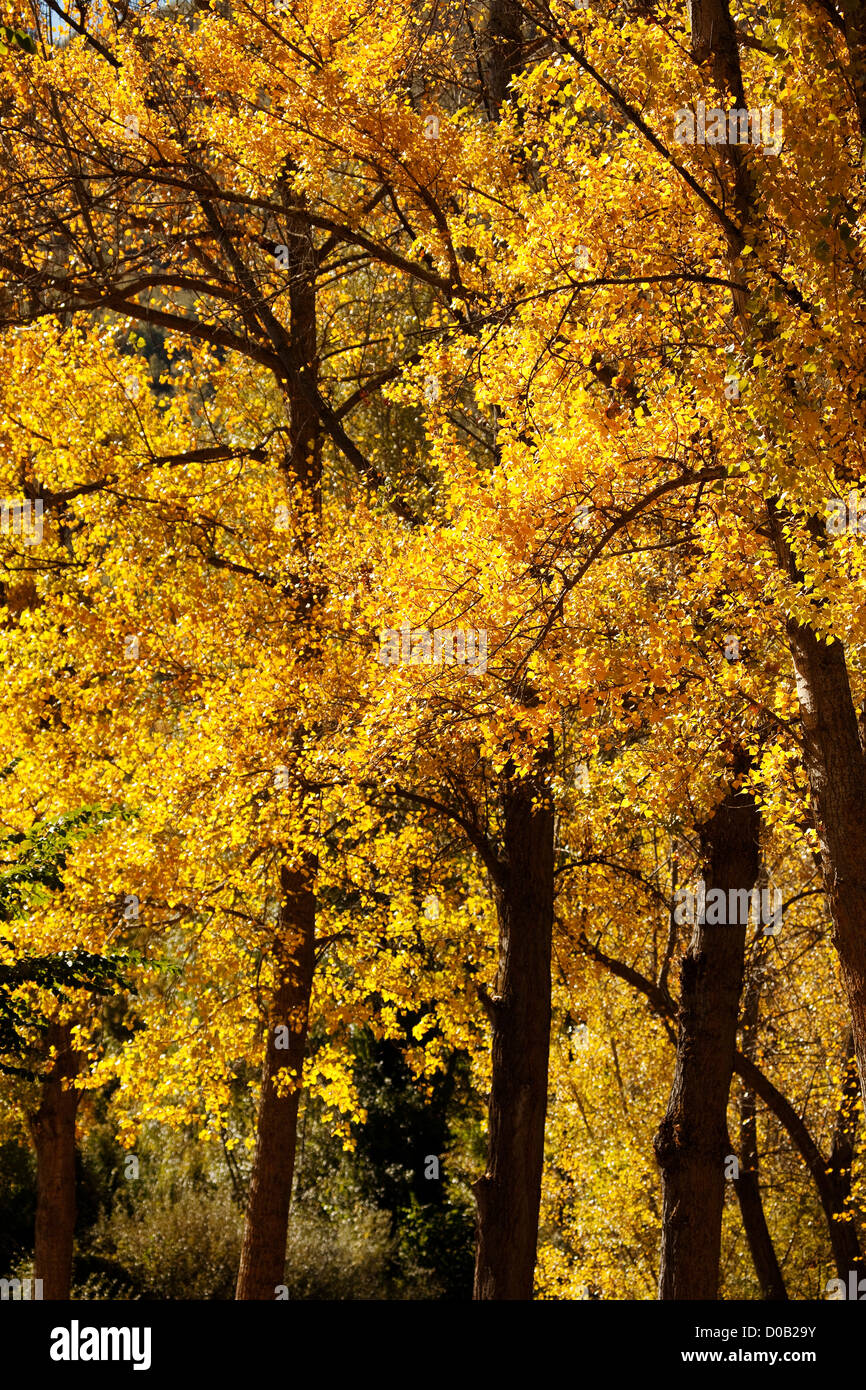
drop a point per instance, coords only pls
(53, 1130)
(714, 48)
(263, 1255)
(692, 1141)
(508, 1196)
(303, 462)
(748, 1185)
(843, 1236)
(714, 41)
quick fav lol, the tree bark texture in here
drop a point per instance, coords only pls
(263, 1254)
(508, 1196)
(53, 1130)
(692, 1142)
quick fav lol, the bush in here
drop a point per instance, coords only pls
(349, 1256)
(181, 1246)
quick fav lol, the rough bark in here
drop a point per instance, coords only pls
(508, 1196)
(692, 1141)
(304, 460)
(263, 1255)
(53, 1130)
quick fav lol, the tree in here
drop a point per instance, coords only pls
(39, 1035)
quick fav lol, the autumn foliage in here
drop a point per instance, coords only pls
(430, 552)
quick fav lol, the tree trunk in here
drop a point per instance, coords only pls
(854, 20)
(714, 40)
(748, 1184)
(53, 1130)
(263, 1255)
(836, 768)
(837, 778)
(508, 1196)
(843, 1231)
(833, 753)
(832, 1194)
(503, 49)
(692, 1142)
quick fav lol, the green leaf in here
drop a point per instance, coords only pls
(25, 41)
(17, 38)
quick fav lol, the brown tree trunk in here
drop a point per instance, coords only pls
(843, 1231)
(508, 1196)
(692, 1142)
(747, 1184)
(836, 768)
(503, 49)
(837, 778)
(833, 753)
(53, 1131)
(714, 43)
(304, 458)
(854, 21)
(263, 1255)
(760, 1242)
(714, 40)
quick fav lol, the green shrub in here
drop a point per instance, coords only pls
(185, 1246)
(351, 1255)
